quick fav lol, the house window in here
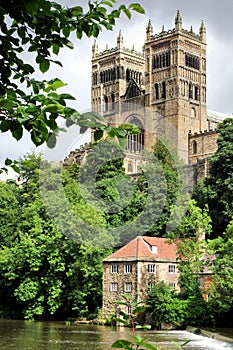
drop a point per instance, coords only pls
(172, 268)
(114, 268)
(172, 286)
(113, 287)
(128, 268)
(128, 287)
(150, 286)
(151, 268)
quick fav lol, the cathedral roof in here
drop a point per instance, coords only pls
(217, 117)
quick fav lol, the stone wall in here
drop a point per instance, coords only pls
(139, 277)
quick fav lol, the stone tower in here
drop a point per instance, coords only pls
(175, 80)
(164, 85)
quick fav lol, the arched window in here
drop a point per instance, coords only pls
(153, 63)
(193, 113)
(157, 91)
(127, 75)
(190, 91)
(163, 95)
(122, 72)
(194, 147)
(105, 103)
(135, 142)
(196, 93)
(101, 77)
(113, 101)
(118, 72)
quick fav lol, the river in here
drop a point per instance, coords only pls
(29, 335)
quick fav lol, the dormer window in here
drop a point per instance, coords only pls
(152, 248)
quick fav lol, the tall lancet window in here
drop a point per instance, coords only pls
(135, 143)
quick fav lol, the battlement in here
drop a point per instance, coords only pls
(202, 133)
(116, 49)
(78, 156)
(164, 34)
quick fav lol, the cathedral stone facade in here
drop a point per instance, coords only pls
(162, 90)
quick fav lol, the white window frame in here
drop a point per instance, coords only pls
(172, 268)
(150, 286)
(172, 286)
(114, 268)
(113, 287)
(151, 268)
(154, 249)
(128, 287)
(128, 268)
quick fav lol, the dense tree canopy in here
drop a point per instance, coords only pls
(218, 189)
(222, 267)
(44, 273)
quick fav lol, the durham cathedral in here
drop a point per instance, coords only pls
(162, 90)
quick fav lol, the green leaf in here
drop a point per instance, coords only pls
(139, 309)
(67, 97)
(56, 49)
(5, 125)
(98, 135)
(112, 133)
(6, 104)
(8, 161)
(149, 346)
(121, 344)
(44, 66)
(108, 3)
(93, 116)
(18, 133)
(51, 142)
(56, 84)
(70, 45)
(122, 142)
(120, 320)
(77, 10)
(121, 132)
(128, 13)
(53, 108)
(21, 32)
(15, 168)
(121, 303)
(146, 326)
(137, 7)
(66, 31)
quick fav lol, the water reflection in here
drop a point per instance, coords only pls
(26, 335)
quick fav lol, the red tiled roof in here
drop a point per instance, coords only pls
(140, 247)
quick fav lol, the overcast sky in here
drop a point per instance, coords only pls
(76, 71)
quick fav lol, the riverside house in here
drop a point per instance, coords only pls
(136, 267)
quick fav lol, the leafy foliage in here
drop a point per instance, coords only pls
(43, 273)
(170, 307)
(221, 289)
(41, 28)
(164, 306)
(217, 191)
